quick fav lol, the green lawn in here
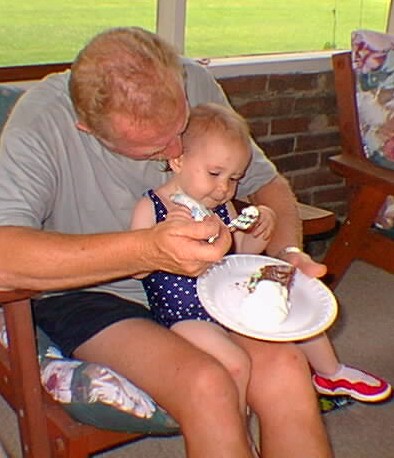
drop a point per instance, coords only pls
(38, 31)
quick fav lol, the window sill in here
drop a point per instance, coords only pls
(311, 62)
(271, 64)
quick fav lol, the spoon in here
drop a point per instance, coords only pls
(245, 220)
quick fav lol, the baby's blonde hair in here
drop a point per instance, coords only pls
(128, 71)
(214, 118)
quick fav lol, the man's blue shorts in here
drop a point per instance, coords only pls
(71, 319)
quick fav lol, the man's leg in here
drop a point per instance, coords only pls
(281, 394)
(190, 384)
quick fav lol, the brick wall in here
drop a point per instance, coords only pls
(293, 118)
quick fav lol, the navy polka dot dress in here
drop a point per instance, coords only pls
(173, 297)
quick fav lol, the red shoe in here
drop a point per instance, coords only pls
(360, 385)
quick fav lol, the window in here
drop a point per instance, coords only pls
(228, 28)
(49, 31)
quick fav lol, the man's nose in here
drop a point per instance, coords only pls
(174, 148)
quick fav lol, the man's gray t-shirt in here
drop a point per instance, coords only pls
(56, 178)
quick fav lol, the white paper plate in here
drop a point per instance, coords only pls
(222, 288)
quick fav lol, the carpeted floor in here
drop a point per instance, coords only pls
(363, 336)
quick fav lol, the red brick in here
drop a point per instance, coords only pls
(290, 125)
(333, 120)
(298, 162)
(315, 104)
(244, 84)
(337, 193)
(317, 141)
(259, 128)
(318, 123)
(279, 147)
(266, 108)
(326, 82)
(315, 178)
(301, 82)
(306, 197)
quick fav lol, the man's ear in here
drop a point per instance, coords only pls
(82, 127)
(176, 163)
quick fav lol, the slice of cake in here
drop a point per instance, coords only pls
(267, 303)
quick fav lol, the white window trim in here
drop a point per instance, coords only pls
(272, 64)
(171, 20)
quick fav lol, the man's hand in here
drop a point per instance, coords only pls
(306, 264)
(180, 245)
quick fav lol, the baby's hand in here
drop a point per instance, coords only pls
(265, 224)
(179, 212)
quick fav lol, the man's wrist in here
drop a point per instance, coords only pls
(288, 250)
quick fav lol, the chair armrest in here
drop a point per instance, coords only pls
(15, 295)
(360, 171)
(315, 221)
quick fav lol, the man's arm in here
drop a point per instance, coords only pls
(278, 195)
(40, 260)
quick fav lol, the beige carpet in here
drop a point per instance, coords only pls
(363, 336)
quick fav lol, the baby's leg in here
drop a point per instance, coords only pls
(333, 378)
(320, 354)
(214, 340)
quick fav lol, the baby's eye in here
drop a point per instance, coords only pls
(236, 179)
(214, 174)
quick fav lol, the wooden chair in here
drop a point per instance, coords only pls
(46, 430)
(317, 223)
(369, 185)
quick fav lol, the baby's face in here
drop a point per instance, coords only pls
(212, 167)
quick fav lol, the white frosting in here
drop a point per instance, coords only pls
(266, 307)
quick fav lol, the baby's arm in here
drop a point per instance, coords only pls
(143, 215)
(256, 239)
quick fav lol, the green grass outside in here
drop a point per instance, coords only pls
(41, 31)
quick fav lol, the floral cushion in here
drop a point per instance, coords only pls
(8, 96)
(373, 64)
(94, 394)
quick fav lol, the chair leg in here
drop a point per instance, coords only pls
(364, 205)
(27, 393)
(71, 449)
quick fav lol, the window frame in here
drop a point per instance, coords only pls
(170, 12)
(171, 23)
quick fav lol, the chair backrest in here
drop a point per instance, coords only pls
(345, 88)
(365, 79)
